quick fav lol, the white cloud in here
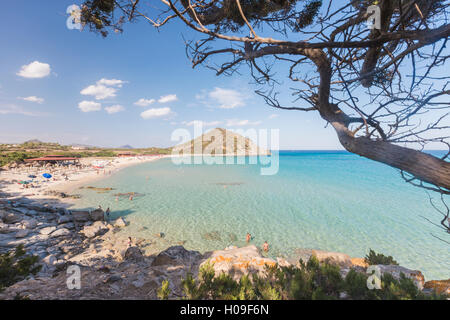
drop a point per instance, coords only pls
(104, 88)
(155, 113)
(34, 70)
(168, 98)
(88, 106)
(111, 82)
(144, 102)
(227, 98)
(114, 109)
(99, 91)
(203, 123)
(240, 123)
(273, 116)
(222, 98)
(32, 99)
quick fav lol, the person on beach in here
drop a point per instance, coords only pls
(248, 237)
(117, 199)
(130, 242)
(266, 246)
(107, 213)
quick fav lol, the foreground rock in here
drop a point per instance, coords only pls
(395, 271)
(238, 261)
(440, 286)
(96, 229)
(340, 259)
(175, 256)
(111, 269)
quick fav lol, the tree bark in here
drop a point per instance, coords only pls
(421, 165)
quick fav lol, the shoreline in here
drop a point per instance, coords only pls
(114, 268)
(57, 236)
(9, 179)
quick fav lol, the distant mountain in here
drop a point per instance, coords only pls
(82, 145)
(34, 141)
(220, 141)
(127, 146)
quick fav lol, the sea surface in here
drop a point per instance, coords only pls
(327, 200)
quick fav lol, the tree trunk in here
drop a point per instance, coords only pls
(421, 165)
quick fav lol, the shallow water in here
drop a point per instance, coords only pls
(333, 201)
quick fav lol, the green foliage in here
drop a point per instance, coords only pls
(15, 266)
(356, 285)
(35, 149)
(374, 258)
(17, 156)
(164, 292)
(308, 281)
(306, 17)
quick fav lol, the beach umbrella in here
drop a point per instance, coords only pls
(47, 175)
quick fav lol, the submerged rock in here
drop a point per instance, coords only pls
(213, 235)
(232, 237)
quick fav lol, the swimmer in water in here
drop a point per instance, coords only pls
(266, 246)
(248, 237)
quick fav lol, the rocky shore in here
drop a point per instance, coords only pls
(113, 268)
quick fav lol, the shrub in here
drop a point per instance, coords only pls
(378, 258)
(308, 281)
(164, 292)
(15, 266)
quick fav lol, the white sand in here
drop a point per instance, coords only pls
(9, 180)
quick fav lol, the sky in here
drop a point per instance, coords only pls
(135, 87)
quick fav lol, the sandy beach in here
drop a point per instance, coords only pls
(64, 179)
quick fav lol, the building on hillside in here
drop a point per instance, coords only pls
(54, 159)
(126, 154)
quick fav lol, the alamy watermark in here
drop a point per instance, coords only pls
(251, 146)
(374, 17)
(374, 279)
(74, 19)
(73, 277)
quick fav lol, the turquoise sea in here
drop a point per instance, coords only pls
(328, 200)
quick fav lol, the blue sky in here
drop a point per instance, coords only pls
(68, 86)
(149, 63)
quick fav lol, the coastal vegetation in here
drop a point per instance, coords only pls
(16, 265)
(374, 258)
(17, 153)
(306, 281)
